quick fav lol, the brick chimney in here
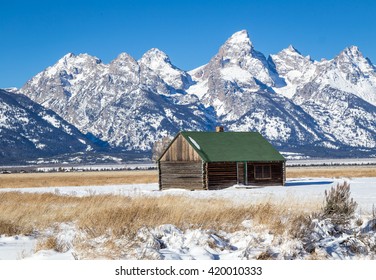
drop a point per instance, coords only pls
(219, 129)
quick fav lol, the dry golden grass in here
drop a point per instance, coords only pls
(30, 180)
(124, 216)
(331, 172)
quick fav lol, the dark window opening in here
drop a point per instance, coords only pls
(263, 172)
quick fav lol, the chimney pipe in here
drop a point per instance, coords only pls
(219, 129)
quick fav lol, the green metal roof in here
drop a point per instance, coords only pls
(232, 146)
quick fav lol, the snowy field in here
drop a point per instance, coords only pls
(192, 244)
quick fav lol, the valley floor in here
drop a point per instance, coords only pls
(235, 223)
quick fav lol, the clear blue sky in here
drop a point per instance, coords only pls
(35, 34)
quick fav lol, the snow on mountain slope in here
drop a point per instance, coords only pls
(295, 68)
(237, 61)
(27, 131)
(237, 67)
(238, 83)
(279, 120)
(351, 72)
(124, 102)
(346, 117)
(160, 63)
(339, 94)
(240, 61)
(326, 104)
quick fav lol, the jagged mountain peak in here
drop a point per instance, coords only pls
(124, 65)
(292, 53)
(82, 58)
(155, 55)
(123, 59)
(237, 46)
(238, 61)
(353, 55)
(68, 55)
(156, 60)
(351, 59)
(71, 63)
(353, 50)
(240, 38)
(124, 56)
(348, 72)
(160, 63)
(350, 53)
(291, 50)
(65, 60)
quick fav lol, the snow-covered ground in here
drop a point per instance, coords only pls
(169, 242)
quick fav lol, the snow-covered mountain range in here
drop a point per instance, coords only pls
(297, 103)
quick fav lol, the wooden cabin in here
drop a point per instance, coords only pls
(217, 160)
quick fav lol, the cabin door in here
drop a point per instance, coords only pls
(241, 173)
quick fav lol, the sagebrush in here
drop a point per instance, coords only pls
(339, 206)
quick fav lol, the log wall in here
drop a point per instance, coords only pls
(181, 174)
(221, 175)
(180, 150)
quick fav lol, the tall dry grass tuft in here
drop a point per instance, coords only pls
(50, 243)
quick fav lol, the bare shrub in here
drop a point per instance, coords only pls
(265, 256)
(338, 205)
(300, 225)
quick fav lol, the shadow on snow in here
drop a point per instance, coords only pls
(306, 183)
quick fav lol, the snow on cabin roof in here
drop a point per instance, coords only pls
(232, 146)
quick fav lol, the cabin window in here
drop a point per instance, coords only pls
(263, 172)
